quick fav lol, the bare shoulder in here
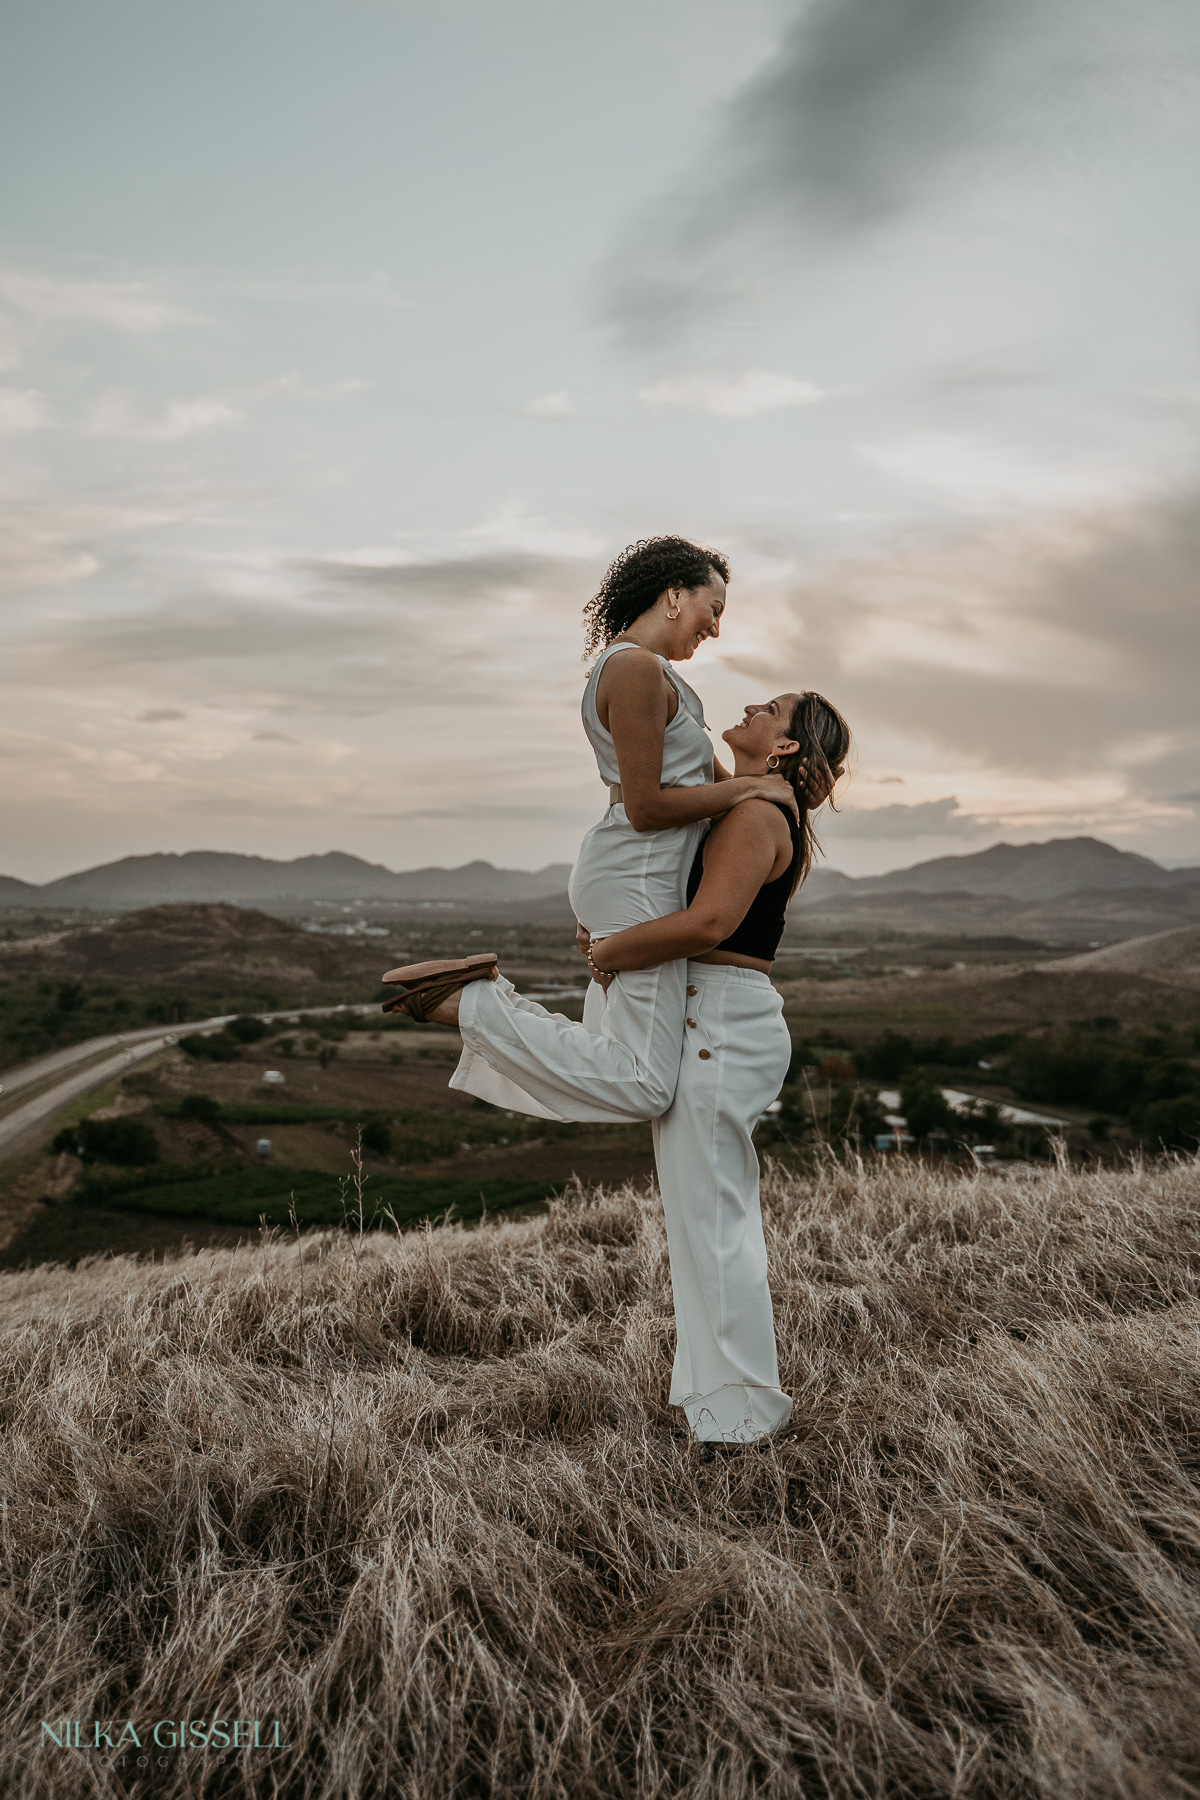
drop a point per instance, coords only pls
(634, 680)
(759, 819)
(752, 825)
(634, 669)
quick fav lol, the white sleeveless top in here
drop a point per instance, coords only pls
(687, 747)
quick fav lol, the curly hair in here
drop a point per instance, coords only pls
(638, 576)
(824, 739)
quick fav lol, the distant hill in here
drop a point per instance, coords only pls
(1169, 953)
(17, 893)
(825, 884)
(212, 876)
(1030, 871)
(1090, 917)
(205, 949)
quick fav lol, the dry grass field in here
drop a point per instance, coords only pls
(421, 1498)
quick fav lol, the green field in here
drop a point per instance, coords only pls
(247, 1196)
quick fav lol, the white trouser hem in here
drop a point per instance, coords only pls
(736, 1415)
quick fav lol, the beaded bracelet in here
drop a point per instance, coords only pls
(594, 966)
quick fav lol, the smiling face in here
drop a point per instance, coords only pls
(700, 612)
(763, 732)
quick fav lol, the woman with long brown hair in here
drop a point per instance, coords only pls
(736, 1050)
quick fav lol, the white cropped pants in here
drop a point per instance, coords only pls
(736, 1051)
(731, 1065)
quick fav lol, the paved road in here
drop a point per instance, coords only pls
(66, 1074)
(31, 1074)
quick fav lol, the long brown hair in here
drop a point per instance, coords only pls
(824, 739)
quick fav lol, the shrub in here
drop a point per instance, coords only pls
(982, 1124)
(1174, 1122)
(377, 1137)
(887, 1058)
(248, 1030)
(127, 1142)
(855, 1115)
(217, 1048)
(922, 1104)
(200, 1106)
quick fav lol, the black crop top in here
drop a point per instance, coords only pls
(761, 929)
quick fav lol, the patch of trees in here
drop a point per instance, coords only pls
(1149, 1080)
(38, 1016)
(129, 1143)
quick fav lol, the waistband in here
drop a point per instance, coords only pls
(709, 972)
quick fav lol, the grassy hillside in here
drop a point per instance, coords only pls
(165, 964)
(422, 1499)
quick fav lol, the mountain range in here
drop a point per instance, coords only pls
(1031, 871)
(1020, 872)
(202, 876)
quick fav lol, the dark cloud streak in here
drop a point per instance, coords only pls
(929, 818)
(866, 108)
(463, 577)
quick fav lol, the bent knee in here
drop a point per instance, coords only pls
(653, 1100)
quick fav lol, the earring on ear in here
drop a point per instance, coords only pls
(772, 762)
(676, 613)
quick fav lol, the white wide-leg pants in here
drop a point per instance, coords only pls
(622, 1062)
(735, 1056)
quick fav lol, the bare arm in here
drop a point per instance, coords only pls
(636, 695)
(742, 851)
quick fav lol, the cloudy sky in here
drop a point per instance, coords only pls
(341, 346)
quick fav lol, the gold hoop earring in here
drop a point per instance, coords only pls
(772, 762)
(675, 614)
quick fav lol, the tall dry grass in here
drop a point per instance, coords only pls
(422, 1498)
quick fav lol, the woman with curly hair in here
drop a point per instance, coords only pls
(658, 603)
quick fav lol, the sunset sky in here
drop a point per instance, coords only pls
(342, 345)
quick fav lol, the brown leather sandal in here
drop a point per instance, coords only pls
(428, 984)
(414, 975)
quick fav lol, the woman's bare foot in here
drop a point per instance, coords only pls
(446, 1011)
